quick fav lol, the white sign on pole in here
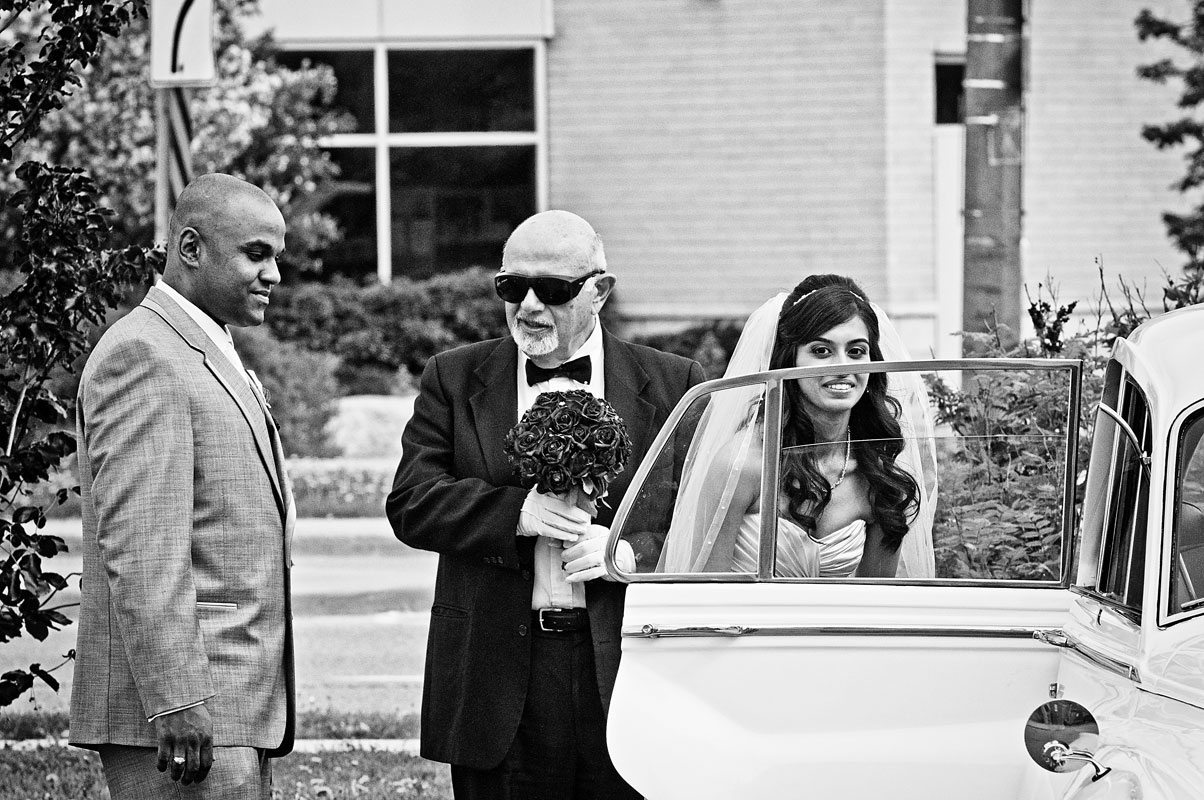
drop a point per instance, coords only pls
(182, 43)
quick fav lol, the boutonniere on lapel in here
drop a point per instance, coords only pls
(263, 392)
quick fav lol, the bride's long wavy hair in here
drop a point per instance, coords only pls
(817, 305)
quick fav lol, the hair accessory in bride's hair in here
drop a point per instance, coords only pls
(803, 297)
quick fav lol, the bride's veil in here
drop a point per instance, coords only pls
(726, 434)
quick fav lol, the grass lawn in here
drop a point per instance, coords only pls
(67, 773)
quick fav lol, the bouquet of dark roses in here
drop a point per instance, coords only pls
(571, 444)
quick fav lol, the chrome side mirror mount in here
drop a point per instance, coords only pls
(1061, 736)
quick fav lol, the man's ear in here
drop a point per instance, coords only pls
(188, 247)
(604, 284)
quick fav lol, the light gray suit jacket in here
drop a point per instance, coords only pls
(186, 536)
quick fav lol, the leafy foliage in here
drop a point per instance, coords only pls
(709, 343)
(1000, 508)
(383, 334)
(301, 388)
(66, 277)
(67, 773)
(261, 121)
(1185, 230)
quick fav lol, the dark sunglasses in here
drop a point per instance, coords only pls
(550, 291)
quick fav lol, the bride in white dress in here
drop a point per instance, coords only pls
(857, 469)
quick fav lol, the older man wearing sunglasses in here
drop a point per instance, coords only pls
(524, 639)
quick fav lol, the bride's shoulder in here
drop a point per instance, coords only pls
(743, 453)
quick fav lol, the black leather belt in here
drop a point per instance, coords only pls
(560, 620)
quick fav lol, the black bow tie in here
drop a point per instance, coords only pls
(577, 370)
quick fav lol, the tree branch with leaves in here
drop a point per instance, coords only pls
(66, 277)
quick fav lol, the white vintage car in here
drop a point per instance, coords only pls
(1057, 653)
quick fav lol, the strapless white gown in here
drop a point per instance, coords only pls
(801, 555)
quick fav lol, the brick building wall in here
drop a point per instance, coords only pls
(1093, 186)
(723, 149)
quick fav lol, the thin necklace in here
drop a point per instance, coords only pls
(848, 446)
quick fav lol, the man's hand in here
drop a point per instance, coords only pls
(585, 560)
(549, 515)
(186, 734)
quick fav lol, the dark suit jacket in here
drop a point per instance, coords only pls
(455, 493)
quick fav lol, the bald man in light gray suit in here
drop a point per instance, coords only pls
(184, 667)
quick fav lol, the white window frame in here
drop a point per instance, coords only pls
(381, 140)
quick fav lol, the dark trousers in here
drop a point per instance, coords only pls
(560, 750)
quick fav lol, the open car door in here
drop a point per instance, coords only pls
(740, 678)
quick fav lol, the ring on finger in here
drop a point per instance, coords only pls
(179, 760)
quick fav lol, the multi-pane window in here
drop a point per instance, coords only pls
(443, 163)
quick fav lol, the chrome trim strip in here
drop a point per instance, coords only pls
(1074, 417)
(650, 631)
(1128, 431)
(772, 463)
(215, 604)
(1057, 637)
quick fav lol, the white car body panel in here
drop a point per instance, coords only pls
(885, 689)
(865, 714)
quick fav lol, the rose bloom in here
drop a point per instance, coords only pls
(527, 442)
(594, 411)
(606, 436)
(562, 419)
(554, 450)
(558, 481)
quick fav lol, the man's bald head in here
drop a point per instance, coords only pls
(556, 237)
(207, 197)
(556, 246)
(223, 241)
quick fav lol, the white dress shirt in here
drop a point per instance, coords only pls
(551, 589)
(220, 334)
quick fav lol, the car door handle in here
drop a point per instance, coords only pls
(659, 631)
(1056, 637)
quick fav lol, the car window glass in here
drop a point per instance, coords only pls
(984, 479)
(1187, 550)
(984, 484)
(1118, 494)
(677, 514)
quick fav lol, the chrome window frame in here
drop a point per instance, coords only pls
(773, 380)
(1166, 566)
(1127, 386)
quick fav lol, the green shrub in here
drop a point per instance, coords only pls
(322, 487)
(341, 487)
(1007, 492)
(301, 388)
(709, 343)
(383, 333)
(51, 773)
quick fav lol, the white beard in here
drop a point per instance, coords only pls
(534, 346)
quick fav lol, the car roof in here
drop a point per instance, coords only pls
(1164, 356)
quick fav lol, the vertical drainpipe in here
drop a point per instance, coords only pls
(995, 55)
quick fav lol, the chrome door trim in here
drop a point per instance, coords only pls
(651, 631)
(1057, 637)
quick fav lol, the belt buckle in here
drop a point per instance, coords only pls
(543, 625)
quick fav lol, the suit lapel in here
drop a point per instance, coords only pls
(626, 381)
(225, 373)
(495, 408)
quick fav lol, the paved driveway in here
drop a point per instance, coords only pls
(361, 603)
